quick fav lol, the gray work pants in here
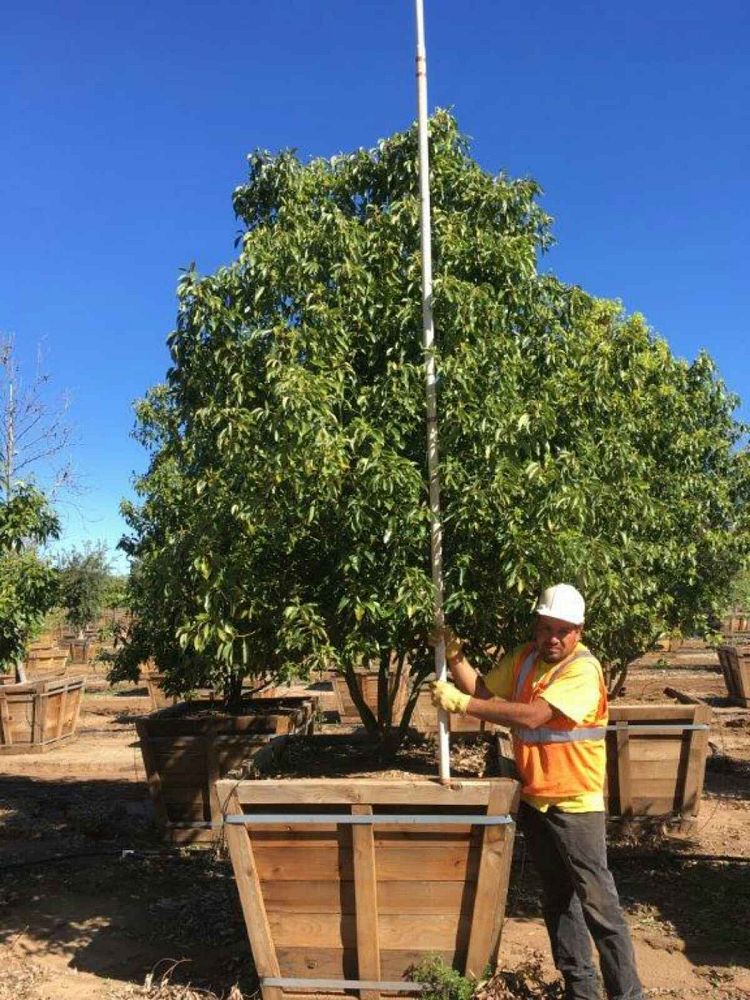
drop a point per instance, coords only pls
(579, 897)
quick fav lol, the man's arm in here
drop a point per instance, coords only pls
(467, 678)
(510, 713)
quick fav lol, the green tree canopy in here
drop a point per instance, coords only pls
(83, 584)
(28, 585)
(283, 519)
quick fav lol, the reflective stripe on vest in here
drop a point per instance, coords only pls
(542, 735)
(560, 735)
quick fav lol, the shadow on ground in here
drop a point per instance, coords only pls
(678, 901)
(85, 877)
(728, 777)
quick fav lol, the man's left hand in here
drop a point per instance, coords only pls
(446, 696)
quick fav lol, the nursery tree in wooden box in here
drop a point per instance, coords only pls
(283, 520)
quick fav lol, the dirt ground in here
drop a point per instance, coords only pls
(92, 902)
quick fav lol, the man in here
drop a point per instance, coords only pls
(551, 693)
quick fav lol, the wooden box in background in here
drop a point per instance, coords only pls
(186, 748)
(35, 717)
(656, 760)
(735, 666)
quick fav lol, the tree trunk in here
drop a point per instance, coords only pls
(368, 719)
(616, 680)
(233, 694)
(384, 704)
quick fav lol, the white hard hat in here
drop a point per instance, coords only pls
(564, 602)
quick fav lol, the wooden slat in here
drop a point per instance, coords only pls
(309, 896)
(646, 750)
(682, 696)
(507, 834)
(696, 747)
(646, 786)
(656, 730)
(186, 741)
(251, 897)
(439, 931)
(184, 794)
(624, 787)
(366, 902)
(6, 734)
(153, 776)
(312, 791)
(61, 716)
(393, 897)
(636, 714)
(77, 704)
(666, 771)
(409, 864)
(342, 964)
(213, 775)
(489, 901)
(40, 718)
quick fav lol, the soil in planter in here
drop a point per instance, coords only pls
(472, 756)
(217, 710)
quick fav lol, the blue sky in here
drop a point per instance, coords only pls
(125, 129)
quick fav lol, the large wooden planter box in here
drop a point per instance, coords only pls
(347, 883)
(322, 691)
(37, 716)
(656, 760)
(184, 754)
(737, 622)
(159, 698)
(84, 651)
(367, 681)
(43, 662)
(735, 666)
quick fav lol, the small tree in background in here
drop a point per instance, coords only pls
(84, 576)
(35, 436)
(28, 584)
(115, 592)
(283, 520)
(739, 595)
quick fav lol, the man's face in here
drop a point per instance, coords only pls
(555, 639)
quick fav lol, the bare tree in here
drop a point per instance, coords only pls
(35, 436)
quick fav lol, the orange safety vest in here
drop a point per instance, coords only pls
(561, 759)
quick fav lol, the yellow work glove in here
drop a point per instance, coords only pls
(446, 696)
(453, 645)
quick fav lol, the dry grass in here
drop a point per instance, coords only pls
(161, 988)
(527, 981)
(19, 976)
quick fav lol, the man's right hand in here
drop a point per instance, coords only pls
(453, 645)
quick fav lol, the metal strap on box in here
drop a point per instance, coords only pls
(343, 984)
(439, 819)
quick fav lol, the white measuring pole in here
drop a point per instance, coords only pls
(428, 340)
